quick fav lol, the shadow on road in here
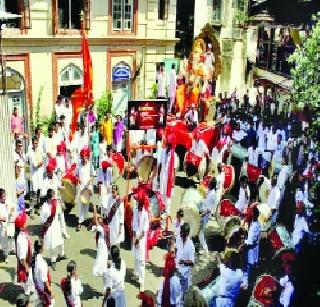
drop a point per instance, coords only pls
(88, 251)
(9, 292)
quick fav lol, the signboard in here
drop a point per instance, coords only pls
(121, 72)
(147, 114)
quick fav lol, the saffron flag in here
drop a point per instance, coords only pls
(87, 70)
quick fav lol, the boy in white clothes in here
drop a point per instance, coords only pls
(185, 258)
(178, 222)
(84, 173)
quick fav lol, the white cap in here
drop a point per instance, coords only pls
(209, 45)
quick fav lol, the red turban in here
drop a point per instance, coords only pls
(105, 164)
(20, 220)
(85, 152)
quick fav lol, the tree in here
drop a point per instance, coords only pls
(306, 72)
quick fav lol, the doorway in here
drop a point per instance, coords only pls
(71, 78)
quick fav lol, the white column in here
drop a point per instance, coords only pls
(7, 172)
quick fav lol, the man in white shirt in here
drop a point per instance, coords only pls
(274, 199)
(59, 107)
(238, 134)
(283, 175)
(68, 114)
(140, 227)
(200, 149)
(229, 283)
(191, 116)
(84, 173)
(185, 258)
(208, 207)
(24, 255)
(50, 144)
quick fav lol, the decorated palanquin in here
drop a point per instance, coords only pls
(153, 203)
(265, 292)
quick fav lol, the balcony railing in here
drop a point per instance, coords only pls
(274, 58)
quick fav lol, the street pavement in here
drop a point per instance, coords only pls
(81, 248)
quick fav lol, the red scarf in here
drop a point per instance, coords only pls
(170, 182)
(49, 221)
(169, 268)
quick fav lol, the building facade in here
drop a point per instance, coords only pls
(42, 48)
(229, 19)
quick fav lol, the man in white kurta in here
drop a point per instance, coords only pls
(84, 173)
(244, 197)
(24, 255)
(220, 177)
(200, 149)
(53, 239)
(185, 257)
(50, 144)
(166, 156)
(104, 184)
(36, 156)
(117, 222)
(216, 158)
(140, 227)
(208, 207)
(300, 229)
(283, 176)
(161, 79)
(252, 243)
(274, 199)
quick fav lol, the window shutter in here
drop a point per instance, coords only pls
(54, 16)
(25, 14)
(87, 13)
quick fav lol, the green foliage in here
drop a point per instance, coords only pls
(306, 76)
(104, 104)
(44, 121)
(154, 90)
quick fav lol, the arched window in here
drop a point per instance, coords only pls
(71, 75)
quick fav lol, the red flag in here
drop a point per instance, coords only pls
(87, 69)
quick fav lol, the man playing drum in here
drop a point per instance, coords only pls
(200, 149)
(84, 173)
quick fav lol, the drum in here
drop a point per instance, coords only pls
(239, 152)
(232, 225)
(68, 191)
(263, 293)
(229, 177)
(227, 216)
(85, 196)
(145, 168)
(191, 198)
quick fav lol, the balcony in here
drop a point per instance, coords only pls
(275, 46)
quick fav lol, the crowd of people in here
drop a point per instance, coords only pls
(261, 134)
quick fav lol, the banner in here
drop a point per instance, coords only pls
(147, 114)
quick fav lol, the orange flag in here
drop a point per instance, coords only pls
(87, 69)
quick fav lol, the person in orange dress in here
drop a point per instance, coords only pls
(181, 96)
